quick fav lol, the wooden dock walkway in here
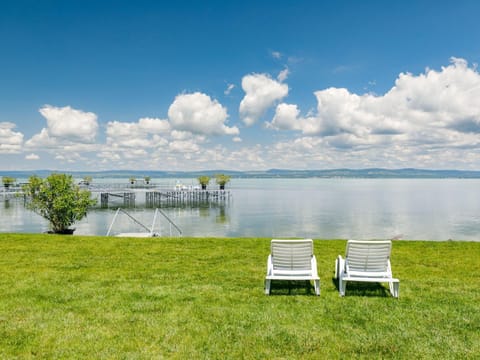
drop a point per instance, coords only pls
(112, 194)
(161, 198)
(11, 193)
(186, 197)
(128, 198)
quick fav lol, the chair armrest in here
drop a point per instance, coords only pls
(339, 266)
(389, 268)
(314, 266)
(269, 265)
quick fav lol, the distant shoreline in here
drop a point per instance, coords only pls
(373, 173)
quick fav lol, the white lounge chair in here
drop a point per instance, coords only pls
(366, 261)
(292, 260)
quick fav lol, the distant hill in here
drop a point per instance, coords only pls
(272, 173)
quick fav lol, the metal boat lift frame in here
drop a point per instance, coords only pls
(149, 232)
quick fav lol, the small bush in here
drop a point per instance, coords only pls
(58, 200)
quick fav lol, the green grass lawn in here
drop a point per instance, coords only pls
(99, 297)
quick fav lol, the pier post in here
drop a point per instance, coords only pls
(104, 200)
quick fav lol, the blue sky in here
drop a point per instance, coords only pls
(240, 85)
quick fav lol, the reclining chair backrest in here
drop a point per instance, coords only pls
(368, 256)
(292, 254)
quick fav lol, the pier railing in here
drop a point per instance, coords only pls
(166, 198)
(11, 192)
(155, 195)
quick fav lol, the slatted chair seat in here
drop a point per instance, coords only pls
(366, 261)
(291, 260)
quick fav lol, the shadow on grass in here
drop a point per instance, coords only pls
(355, 288)
(291, 287)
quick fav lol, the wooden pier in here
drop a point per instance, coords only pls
(10, 193)
(128, 198)
(185, 197)
(167, 198)
(112, 194)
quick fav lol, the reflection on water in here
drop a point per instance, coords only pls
(222, 217)
(436, 209)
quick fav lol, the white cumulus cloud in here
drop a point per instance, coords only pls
(261, 92)
(42, 140)
(10, 141)
(68, 123)
(433, 110)
(32, 156)
(153, 125)
(65, 127)
(286, 117)
(283, 75)
(276, 54)
(426, 120)
(146, 132)
(199, 114)
(69, 134)
(183, 146)
(123, 133)
(229, 89)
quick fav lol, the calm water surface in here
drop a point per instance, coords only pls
(433, 209)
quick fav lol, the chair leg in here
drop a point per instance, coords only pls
(317, 287)
(396, 289)
(267, 287)
(342, 286)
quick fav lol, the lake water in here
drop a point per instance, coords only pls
(429, 209)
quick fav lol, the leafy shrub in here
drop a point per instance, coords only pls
(58, 200)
